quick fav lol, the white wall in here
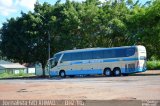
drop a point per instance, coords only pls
(31, 70)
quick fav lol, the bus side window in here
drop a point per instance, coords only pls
(87, 55)
(66, 57)
(130, 51)
(120, 52)
(76, 56)
(109, 54)
(97, 54)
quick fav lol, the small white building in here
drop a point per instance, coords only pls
(12, 68)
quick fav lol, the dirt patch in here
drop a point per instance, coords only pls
(96, 88)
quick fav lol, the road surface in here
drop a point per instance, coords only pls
(145, 86)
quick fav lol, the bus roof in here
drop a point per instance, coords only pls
(93, 49)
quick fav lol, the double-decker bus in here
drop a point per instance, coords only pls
(114, 61)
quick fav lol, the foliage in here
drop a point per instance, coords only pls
(9, 75)
(146, 27)
(153, 65)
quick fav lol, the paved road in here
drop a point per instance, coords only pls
(138, 87)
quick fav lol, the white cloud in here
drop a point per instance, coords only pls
(29, 4)
(6, 11)
(6, 7)
(6, 2)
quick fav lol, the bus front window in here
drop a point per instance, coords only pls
(54, 61)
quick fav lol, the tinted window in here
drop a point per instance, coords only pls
(97, 54)
(109, 53)
(120, 53)
(76, 56)
(66, 57)
(86, 55)
(130, 51)
(115, 53)
(56, 57)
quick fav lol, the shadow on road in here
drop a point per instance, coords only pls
(154, 74)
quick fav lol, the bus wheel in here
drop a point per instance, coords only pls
(62, 74)
(107, 72)
(117, 72)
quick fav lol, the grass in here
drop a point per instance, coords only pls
(153, 65)
(7, 75)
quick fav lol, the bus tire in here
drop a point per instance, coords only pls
(62, 74)
(107, 72)
(117, 71)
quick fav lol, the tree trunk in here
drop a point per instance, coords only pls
(43, 69)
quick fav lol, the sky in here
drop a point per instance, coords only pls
(13, 8)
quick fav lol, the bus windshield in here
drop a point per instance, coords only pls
(54, 60)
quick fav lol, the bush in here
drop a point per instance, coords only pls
(153, 65)
(8, 75)
(4, 75)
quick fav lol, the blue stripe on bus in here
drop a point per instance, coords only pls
(76, 63)
(96, 71)
(98, 61)
(111, 60)
(130, 59)
(83, 72)
(107, 60)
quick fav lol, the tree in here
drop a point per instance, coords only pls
(25, 39)
(144, 27)
(151, 29)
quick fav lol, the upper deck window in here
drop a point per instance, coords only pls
(99, 54)
(120, 52)
(108, 54)
(76, 56)
(130, 51)
(87, 55)
(66, 57)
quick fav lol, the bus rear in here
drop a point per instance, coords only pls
(142, 59)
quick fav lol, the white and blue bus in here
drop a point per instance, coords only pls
(114, 61)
